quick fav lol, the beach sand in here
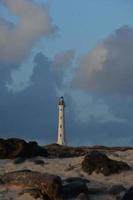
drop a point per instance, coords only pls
(70, 167)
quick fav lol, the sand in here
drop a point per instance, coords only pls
(71, 167)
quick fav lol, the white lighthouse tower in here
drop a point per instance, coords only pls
(61, 122)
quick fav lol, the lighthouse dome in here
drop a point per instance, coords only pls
(61, 101)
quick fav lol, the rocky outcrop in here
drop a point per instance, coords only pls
(98, 162)
(48, 185)
(14, 148)
(58, 151)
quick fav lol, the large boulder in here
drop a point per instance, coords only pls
(49, 185)
(98, 162)
(3, 151)
(71, 190)
(14, 148)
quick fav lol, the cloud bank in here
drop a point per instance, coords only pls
(17, 39)
(108, 68)
(103, 81)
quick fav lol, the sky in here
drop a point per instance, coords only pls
(79, 49)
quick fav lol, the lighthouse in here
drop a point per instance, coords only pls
(61, 122)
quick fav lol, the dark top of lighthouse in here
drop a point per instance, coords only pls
(61, 101)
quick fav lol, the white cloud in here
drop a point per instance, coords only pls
(63, 60)
(20, 77)
(16, 40)
(108, 69)
(59, 67)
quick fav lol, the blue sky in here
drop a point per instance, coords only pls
(81, 49)
(82, 24)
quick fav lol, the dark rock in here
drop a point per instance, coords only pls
(19, 160)
(118, 197)
(10, 148)
(97, 190)
(128, 195)
(49, 185)
(59, 151)
(73, 189)
(116, 189)
(3, 151)
(76, 179)
(1, 182)
(82, 196)
(39, 162)
(36, 150)
(14, 148)
(100, 163)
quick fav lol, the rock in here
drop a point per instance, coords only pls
(18, 148)
(10, 148)
(2, 149)
(116, 189)
(82, 196)
(74, 186)
(39, 162)
(49, 185)
(76, 179)
(19, 160)
(35, 150)
(97, 190)
(1, 182)
(59, 151)
(73, 189)
(118, 197)
(128, 195)
(98, 162)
